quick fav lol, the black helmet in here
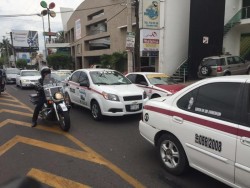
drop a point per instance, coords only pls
(45, 70)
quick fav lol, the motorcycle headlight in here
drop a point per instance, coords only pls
(111, 97)
(58, 96)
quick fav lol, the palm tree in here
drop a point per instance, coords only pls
(60, 37)
(5, 49)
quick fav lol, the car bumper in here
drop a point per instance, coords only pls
(147, 131)
(28, 84)
(112, 108)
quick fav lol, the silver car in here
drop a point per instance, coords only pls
(222, 66)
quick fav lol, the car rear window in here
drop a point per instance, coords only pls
(213, 62)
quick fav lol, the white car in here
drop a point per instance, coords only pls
(206, 126)
(155, 84)
(106, 92)
(11, 74)
(27, 78)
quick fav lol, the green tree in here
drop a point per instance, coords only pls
(60, 61)
(21, 63)
(1, 62)
(60, 37)
(117, 61)
(5, 49)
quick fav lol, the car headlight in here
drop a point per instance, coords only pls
(58, 96)
(144, 95)
(111, 97)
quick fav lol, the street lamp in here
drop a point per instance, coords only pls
(45, 53)
(49, 12)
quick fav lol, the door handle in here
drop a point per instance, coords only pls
(245, 140)
(177, 119)
(77, 88)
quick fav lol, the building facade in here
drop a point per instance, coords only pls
(189, 31)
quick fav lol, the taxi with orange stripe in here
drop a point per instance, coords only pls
(205, 126)
(105, 92)
(155, 84)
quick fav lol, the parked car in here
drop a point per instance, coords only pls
(205, 126)
(105, 92)
(223, 65)
(155, 84)
(11, 74)
(2, 80)
(27, 78)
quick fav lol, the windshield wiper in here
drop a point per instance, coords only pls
(101, 83)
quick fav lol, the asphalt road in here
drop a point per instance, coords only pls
(110, 153)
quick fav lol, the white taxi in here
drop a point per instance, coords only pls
(155, 84)
(105, 92)
(206, 126)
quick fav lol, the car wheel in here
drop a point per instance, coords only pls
(172, 154)
(68, 100)
(21, 85)
(205, 70)
(227, 74)
(248, 71)
(96, 111)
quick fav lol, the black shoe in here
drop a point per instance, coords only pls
(34, 123)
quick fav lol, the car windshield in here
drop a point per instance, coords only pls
(212, 62)
(12, 71)
(108, 78)
(30, 73)
(160, 79)
(60, 76)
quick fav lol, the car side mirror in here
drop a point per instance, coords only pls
(85, 84)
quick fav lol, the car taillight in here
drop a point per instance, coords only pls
(219, 69)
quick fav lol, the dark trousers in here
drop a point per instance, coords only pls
(38, 108)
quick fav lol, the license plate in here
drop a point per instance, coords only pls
(134, 106)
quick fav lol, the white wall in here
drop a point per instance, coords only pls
(174, 35)
(232, 7)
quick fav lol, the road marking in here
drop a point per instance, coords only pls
(15, 112)
(51, 147)
(94, 154)
(14, 105)
(105, 162)
(10, 100)
(53, 180)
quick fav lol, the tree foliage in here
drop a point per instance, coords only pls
(21, 63)
(60, 61)
(117, 61)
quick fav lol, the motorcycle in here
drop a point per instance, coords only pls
(55, 108)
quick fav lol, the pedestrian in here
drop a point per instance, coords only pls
(41, 95)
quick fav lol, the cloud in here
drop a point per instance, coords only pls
(34, 23)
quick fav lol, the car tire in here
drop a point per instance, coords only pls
(96, 111)
(205, 70)
(172, 154)
(68, 100)
(21, 86)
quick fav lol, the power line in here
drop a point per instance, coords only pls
(35, 14)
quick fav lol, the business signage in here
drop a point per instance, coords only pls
(149, 14)
(130, 41)
(149, 42)
(78, 29)
(25, 41)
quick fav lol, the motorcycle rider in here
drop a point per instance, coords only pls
(41, 95)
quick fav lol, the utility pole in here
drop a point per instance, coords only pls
(13, 49)
(129, 30)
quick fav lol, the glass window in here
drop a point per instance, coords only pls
(140, 79)
(230, 60)
(75, 76)
(83, 77)
(187, 101)
(132, 77)
(218, 100)
(238, 60)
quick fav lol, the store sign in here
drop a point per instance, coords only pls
(149, 14)
(78, 29)
(149, 40)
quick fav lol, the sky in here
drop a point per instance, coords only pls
(33, 23)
